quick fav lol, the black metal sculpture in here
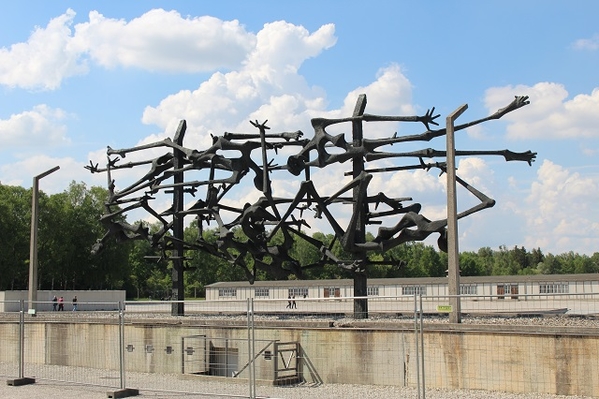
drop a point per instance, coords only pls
(270, 215)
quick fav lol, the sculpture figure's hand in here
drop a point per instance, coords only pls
(428, 118)
(519, 102)
(91, 167)
(292, 135)
(528, 156)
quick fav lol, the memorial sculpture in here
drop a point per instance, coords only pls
(260, 221)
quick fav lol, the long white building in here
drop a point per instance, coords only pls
(502, 287)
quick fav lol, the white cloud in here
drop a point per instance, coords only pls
(21, 173)
(41, 127)
(282, 47)
(389, 94)
(156, 41)
(591, 44)
(45, 59)
(561, 214)
(266, 87)
(550, 114)
(162, 40)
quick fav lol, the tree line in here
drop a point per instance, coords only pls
(70, 224)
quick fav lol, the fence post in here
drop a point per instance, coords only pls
(251, 348)
(416, 346)
(419, 345)
(21, 380)
(122, 392)
(422, 348)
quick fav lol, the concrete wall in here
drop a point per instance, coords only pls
(556, 361)
(87, 300)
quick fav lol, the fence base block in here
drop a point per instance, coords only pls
(122, 393)
(20, 381)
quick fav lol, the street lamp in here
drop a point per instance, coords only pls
(32, 297)
(453, 271)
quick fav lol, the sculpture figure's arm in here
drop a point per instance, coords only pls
(527, 156)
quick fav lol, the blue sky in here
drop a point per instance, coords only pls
(76, 77)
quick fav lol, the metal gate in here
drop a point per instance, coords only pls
(287, 367)
(194, 355)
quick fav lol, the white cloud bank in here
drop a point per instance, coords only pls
(158, 40)
(39, 128)
(561, 211)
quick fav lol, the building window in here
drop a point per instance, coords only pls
(332, 292)
(373, 291)
(227, 292)
(554, 288)
(262, 292)
(413, 290)
(298, 292)
(504, 290)
(468, 289)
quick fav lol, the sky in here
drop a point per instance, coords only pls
(76, 77)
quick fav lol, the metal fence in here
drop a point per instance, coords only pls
(249, 348)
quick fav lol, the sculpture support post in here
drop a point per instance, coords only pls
(178, 287)
(360, 277)
(32, 295)
(453, 272)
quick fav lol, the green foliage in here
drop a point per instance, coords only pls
(69, 224)
(15, 221)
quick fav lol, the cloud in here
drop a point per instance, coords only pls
(591, 44)
(159, 40)
(266, 87)
(282, 47)
(550, 115)
(41, 127)
(562, 204)
(389, 94)
(162, 40)
(45, 59)
(21, 173)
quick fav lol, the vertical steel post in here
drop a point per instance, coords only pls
(122, 392)
(21, 380)
(22, 340)
(251, 348)
(178, 284)
(416, 346)
(422, 348)
(122, 345)
(360, 277)
(33, 266)
(453, 272)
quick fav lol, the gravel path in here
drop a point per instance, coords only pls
(56, 390)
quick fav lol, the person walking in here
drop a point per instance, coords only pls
(75, 303)
(54, 303)
(293, 304)
(288, 302)
(60, 303)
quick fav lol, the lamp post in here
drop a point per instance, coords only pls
(453, 272)
(32, 296)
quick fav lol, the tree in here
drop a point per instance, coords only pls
(471, 265)
(69, 226)
(15, 221)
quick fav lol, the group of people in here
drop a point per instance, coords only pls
(58, 303)
(291, 302)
